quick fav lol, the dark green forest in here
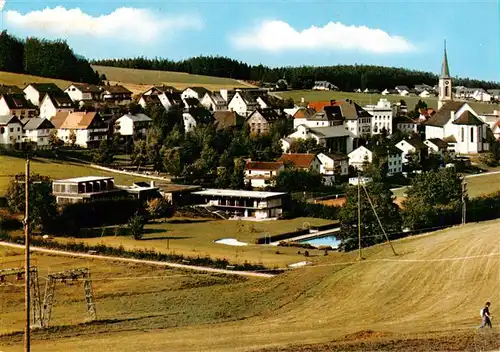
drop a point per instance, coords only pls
(40, 57)
(346, 77)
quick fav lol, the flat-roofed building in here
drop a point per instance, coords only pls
(244, 204)
(82, 189)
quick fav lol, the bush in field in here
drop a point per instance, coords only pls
(136, 226)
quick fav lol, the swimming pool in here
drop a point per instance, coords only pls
(331, 241)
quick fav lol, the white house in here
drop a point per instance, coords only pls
(324, 85)
(363, 154)
(260, 174)
(332, 165)
(459, 125)
(11, 130)
(196, 116)
(35, 92)
(310, 118)
(194, 92)
(83, 91)
(412, 146)
(116, 94)
(406, 125)
(133, 124)
(167, 99)
(382, 115)
(37, 130)
(359, 156)
(403, 90)
(481, 95)
(214, 101)
(355, 119)
(52, 104)
(436, 146)
(243, 103)
(89, 128)
(334, 138)
(425, 94)
(16, 104)
(160, 89)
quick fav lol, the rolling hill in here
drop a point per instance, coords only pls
(22, 80)
(434, 287)
(140, 80)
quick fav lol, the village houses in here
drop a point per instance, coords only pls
(133, 124)
(88, 128)
(37, 130)
(382, 116)
(116, 94)
(332, 166)
(35, 92)
(53, 103)
(364, 154)
(16, 104)
(11, 130)
(82, 91)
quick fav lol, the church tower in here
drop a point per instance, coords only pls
(445, 85)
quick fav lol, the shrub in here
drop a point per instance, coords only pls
(136, 226)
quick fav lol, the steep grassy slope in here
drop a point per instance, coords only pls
(436, 284)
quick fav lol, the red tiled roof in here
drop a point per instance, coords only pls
(318, 105)
(263, 165)
(299, 160)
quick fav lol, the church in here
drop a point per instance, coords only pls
(455, 121)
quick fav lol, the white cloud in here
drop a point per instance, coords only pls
(139, 25)
(275, 36)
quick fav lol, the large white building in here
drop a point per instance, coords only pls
(382, 116)
(456, 122)
(11, 130)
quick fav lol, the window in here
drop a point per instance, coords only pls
(11, 129)
(446, 91)
(462, 134)
(472, 134)
(18, 129)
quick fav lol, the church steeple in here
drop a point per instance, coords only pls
(445, 84)
(445, 70)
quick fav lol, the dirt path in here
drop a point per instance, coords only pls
(140, 261)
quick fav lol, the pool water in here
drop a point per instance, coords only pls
(331, 241)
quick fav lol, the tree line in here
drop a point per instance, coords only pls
(40, 57)
(346, 77)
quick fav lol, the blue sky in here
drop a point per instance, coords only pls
(392, 33)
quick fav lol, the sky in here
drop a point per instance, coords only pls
(401, 33)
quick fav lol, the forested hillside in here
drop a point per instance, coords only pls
(346, 77)
(40, 57)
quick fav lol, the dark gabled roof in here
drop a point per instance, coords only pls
(438, 142)
(152, 99)
(6, 89)
(270, 115)
(416, 143)
(468, 118)
(116, 89)
(164, 89)
(247, 97)
(336, 156)
(200, 91)
(225, 119)
(191, 102)
(350, 110)
(36, 123)
(17, 101)
(201, 115)
(443, 115)
(402, 88)
(6, 119)
(86, 88)
(60, 100)
(45, 88)
(174, 98)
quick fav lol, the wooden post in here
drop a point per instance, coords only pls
(27, 260)
(359, 218)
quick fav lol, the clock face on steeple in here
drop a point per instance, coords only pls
(447, 82)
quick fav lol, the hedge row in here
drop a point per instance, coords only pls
(145, 254)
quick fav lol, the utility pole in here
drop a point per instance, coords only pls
(359, 218)
(27, 259)
(464, 201)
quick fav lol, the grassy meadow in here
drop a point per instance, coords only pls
(195, 238)
(55, 170)
(22, 80)
(365, 99)
(140, 80)
(436, 285)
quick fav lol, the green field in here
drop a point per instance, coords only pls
(434, 287)
(195, 239)
(365, 99)
(476, 186)
(137, 80)
(55, 170)
(22, 80)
